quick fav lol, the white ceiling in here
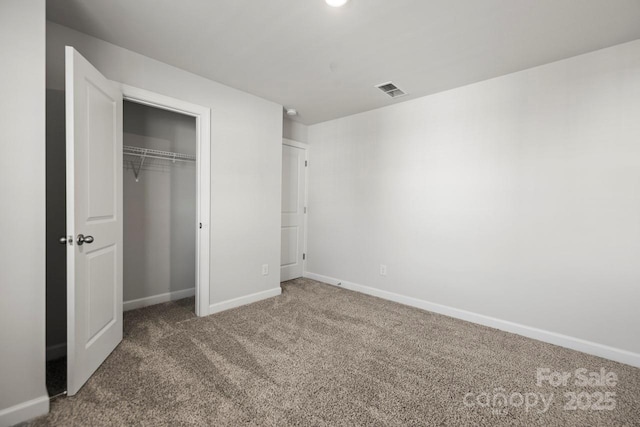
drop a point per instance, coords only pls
(325, 62)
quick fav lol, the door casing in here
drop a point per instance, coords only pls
(202, 116)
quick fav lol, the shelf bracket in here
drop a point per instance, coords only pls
(136, 173)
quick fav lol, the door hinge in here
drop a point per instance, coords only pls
(305, 209)
(304, 256)
(306, 163)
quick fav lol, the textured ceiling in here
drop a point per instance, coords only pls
(325, 62)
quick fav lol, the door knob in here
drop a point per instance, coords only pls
(82, 239)
(63, 240)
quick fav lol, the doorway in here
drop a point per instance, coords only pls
(295, 161)
(202, 118)
(96, 165)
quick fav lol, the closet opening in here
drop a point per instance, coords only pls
(159, 207)
(188, 156)
(165, 195)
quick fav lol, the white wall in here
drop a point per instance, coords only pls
(516, 198)
(294, 130)
(246, 139)
(22, 188)
(159, 209)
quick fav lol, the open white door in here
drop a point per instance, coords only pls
(94, 219)
(294, 161)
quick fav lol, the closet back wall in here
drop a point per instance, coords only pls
(159, 209)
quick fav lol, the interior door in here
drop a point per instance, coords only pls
(294, 160)
(94, 218)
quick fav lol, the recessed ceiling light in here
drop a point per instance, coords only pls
(336, 3)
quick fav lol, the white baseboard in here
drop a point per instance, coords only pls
(247, 299)
(56, 351)
(601, 350)
(24, 411)
(158, 299)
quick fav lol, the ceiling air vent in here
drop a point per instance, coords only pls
(390, 89)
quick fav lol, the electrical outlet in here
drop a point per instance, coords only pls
(265, 269)
(383, 270)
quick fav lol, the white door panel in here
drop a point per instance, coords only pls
(293, 205)
(94, 208)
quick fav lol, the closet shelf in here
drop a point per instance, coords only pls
(148, 153)
(157, 154)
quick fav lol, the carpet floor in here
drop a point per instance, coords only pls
(321, 355)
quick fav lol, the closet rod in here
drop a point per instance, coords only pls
(158, 154)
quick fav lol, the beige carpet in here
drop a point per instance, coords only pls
(321, 355)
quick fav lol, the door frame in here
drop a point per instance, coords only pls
(203, 180)
(304, 146)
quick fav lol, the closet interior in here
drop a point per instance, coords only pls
(159, 155)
